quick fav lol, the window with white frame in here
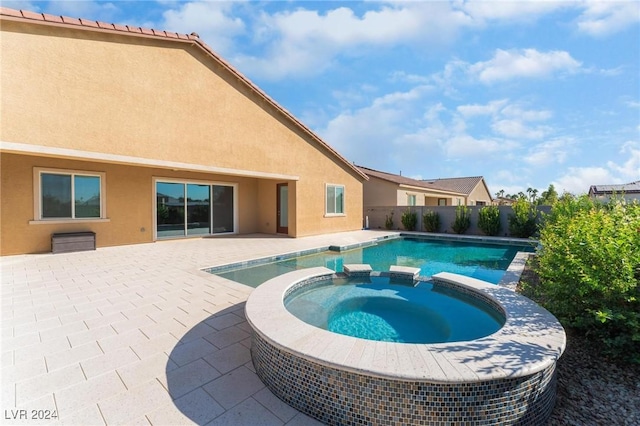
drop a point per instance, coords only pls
(334, 199)
(68, 194)
(411, 199)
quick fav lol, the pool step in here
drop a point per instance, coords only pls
(404, 274)
(357, 269)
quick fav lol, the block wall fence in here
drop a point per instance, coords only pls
(377, 216)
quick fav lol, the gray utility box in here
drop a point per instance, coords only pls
(73, 241)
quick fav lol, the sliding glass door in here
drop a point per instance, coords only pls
(187, 209)
(198, 209)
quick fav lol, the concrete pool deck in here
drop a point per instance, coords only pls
(139, 334)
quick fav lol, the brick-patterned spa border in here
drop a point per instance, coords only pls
(505, 378)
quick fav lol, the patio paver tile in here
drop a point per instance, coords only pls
(234, 387)
(133, 323)
(89, 392)
(229, 358)
(163, 343)
(199, 330)
(226, 337)
(220, 322)
(93, 335)
(185, 379)
(195, 407)
(89, 416)
(188, 352)
(110, 361)
(62, 331)
(39, 386)
(11, 343)
(58, 308)
(31, 352)
(153, 367)
(61, 359)
(274, 404)
(23, 371)
(161, 328)
(128, 338)
(303, 420)
(134, 403)
(103, 320)
(249, 412)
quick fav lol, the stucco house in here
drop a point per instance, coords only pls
(629, 191)
(139, 135)
(387, 189)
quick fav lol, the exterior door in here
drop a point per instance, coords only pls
(283, 209)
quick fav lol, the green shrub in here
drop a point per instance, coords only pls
(489, 220)
(522, 222)
(589, 269)
(462, 221)
(409, 220)
(431, 221)
(388, 221)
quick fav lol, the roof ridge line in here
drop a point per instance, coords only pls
(88, 23)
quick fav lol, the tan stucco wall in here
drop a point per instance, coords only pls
(432, 200)
(379, 192)
(160, 100)
(479, 193)
(129, 198)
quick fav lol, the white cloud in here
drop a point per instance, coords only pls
(306, 42)
(514, 128)
(577, 180)
(516, 111)
(465, 145)
(510, 11)
(509, 120)
(21, 5)
(550, 152)
(523, 63)
(628, 170)
(212, 21)
(492, 108)
(602, 18)
(93, 10)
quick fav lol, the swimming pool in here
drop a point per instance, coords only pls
(378, 308)
(507, 377)
(486, 261)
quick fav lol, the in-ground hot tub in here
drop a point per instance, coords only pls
(506, 377)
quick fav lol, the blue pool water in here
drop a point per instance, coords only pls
(483, 261)
(375, 309)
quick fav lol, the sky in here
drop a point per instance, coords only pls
(525, 93)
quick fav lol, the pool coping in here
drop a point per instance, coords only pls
(510, 278)
(531, 339)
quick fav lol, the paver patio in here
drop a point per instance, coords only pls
(138, 335)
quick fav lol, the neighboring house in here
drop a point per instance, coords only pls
(387, 189)
(474, 188)
(503, 201)
(629, 191)
(140, 135)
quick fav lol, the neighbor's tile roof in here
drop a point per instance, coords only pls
(402, 180)
(627, 188)
(460, 184)
(193, 38)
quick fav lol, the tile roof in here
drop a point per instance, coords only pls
(402, 180)
(193, 38)
(459, 184)
(627, 188)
